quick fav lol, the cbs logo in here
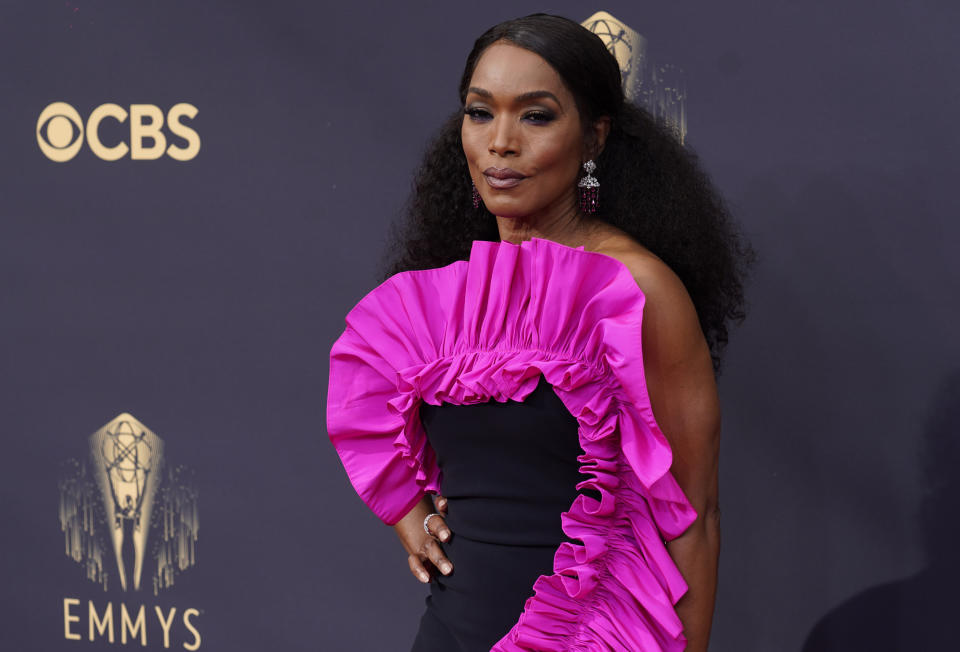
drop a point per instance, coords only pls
(60, 132)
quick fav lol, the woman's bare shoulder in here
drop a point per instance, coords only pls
(652, 274)
(671, 326)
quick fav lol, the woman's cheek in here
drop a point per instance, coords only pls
(553, 164)
(469, 139)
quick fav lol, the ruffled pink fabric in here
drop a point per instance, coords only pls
(486, 329)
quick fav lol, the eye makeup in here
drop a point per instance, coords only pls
(537, 116)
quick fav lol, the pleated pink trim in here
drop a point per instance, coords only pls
(486, 329)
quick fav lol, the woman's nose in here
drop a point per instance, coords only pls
(504, 139)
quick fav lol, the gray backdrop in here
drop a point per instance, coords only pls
(203, 296)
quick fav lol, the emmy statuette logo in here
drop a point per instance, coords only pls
(658, 87)
(126, 457)
(130, 519)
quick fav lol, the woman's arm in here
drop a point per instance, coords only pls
(683, 394)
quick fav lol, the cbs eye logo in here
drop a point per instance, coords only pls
(60, 132)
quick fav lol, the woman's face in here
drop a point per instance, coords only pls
(522, 135)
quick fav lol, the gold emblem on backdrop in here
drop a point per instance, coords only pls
(61, 132)
(660, 88)
(124, 505)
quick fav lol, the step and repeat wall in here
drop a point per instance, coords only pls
(193, 194)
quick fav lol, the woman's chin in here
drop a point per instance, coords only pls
(508, 211)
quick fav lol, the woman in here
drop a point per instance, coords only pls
(517, 362)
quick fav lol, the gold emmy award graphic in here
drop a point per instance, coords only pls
(126, 498)
(127, 457)
(659, 88)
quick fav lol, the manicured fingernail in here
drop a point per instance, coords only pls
(424, 577)
(446, 568)
(444, 535)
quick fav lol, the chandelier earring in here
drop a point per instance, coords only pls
(475, 193)
(589, 189)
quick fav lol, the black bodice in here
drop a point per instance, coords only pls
(509, 469)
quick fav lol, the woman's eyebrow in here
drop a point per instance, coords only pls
(522, 97)
(536, 95)
(482, 92)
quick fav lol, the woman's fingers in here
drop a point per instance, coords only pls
(416, 567)
(438, 528)
(424, 553)
(432, 552)
(441, 504)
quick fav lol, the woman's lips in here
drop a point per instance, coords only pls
(502, 178)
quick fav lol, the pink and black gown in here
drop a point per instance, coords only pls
(513, 384)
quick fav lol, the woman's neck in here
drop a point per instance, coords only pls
(569, 228)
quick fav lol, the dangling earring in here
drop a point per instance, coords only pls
(589, 189)
(476, 195)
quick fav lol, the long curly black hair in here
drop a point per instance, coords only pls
(652, 187)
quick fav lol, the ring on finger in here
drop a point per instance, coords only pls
(427, 519)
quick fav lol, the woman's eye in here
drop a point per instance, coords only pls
(477, 114)
(539, 117)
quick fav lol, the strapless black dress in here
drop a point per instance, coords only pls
(486, 329)
(509, 470)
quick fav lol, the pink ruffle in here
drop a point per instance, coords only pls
(486, 329)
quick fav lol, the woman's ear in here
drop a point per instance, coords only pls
(597, 137)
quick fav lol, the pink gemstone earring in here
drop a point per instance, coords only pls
(476, 195)
(589, 189)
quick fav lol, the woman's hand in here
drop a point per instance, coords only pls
(424, 554)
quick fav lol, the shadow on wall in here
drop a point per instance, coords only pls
(917, 613)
